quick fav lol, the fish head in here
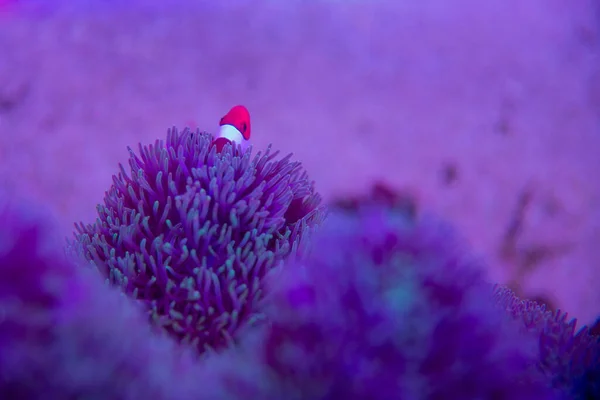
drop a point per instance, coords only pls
(235, 126)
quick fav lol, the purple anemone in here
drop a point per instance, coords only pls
(191, 233)
(569, 359)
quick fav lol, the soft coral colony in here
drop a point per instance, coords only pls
(217, 256)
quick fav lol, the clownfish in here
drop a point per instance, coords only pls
(234, 127)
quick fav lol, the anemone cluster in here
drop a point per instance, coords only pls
(219, 275)
(191, 233)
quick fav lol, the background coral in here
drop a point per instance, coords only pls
(389, 307)
(192, 233)
(569, 358)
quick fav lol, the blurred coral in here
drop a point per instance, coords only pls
(389, 307)
(383, 194)
(595, 328)
(192, 233)
(65, 335)
(570, 360)
(387, 304)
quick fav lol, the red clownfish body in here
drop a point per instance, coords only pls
(234, 127)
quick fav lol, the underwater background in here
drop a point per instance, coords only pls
(485, 114)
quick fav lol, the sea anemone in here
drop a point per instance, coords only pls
(191, 233)
(388, 306)
(569, 359)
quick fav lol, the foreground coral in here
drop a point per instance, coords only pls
(191, 233)
(388, 307)
(65, 335)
